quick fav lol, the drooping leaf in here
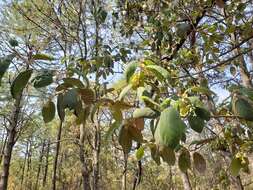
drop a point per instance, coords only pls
(139, 153)
(170, 128)
(161, 73)
(43, 79)
(44, 57)
(196, 123)
(4, 65)
(48, 111)
(20, 83)
(199, 162)
(135, 133)
(184, 161)
(242, 107)
(167, 154)
(235, 166)
(73, 82)
(70, 99)
(145, 113)
(130, 70)
(125, 139)
(60, 107)
(125, 91)
(87, 95)
(202, 90)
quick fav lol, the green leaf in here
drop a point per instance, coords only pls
(44, 57)
(60, 107)
(43, 79)
(161, 73)
(199, 162)
(151, 103)
(235, 166)
(70, 99)
(196, 123)
(48, 111)
(170, 128)
(184, 161)
(73, 82)
(203, 113)
(139, 153)
(125, 139)
(4, 65)
(130, 70)
(167, 154)
(202, 90)
(145, 113)
(13, 42)
(20, 83)
(125, 91)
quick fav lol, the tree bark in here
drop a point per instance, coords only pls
(56, 157)
(96, 155)
(85, 172)
(40, 162)
(10, 143)
(46, 164)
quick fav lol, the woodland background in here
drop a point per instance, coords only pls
(126, 94)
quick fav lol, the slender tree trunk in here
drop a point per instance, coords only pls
(40, 162)
(186, 181)
(46, 164)
(85, 172)
(10, 144)
(56, 157)
(96, 155)
(3, 147)
(24, 164)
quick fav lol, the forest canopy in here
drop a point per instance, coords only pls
(126, 94)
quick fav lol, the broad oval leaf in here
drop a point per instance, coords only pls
(139, 153)
(20, 83)
(235, 166)
(42, 80)
(167, 154)
(184, 161)
(48, 111)
(73, 82)
(60, 107)
(170, 128)
(125, 139)
(199, 162)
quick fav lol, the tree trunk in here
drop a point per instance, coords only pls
(40, 162)
(10, 144)
(3, 147)
(124, 177)
(24, 164)
(186, 181)
(56, 157)
(85, 172)
(96, 154)
(46, 164)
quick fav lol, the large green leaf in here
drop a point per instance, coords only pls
(184, 161)
(161, 73)
(170, 128)
(242, 107)
(4, 65)
(130, 70)
(60, 107)
(70, 99)
(43, 79)
(145, 113)
(20, 83)
(167, 154)
(196, 123)
(48, 111)
(199, 162)
(235, 166)
(125, 139)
